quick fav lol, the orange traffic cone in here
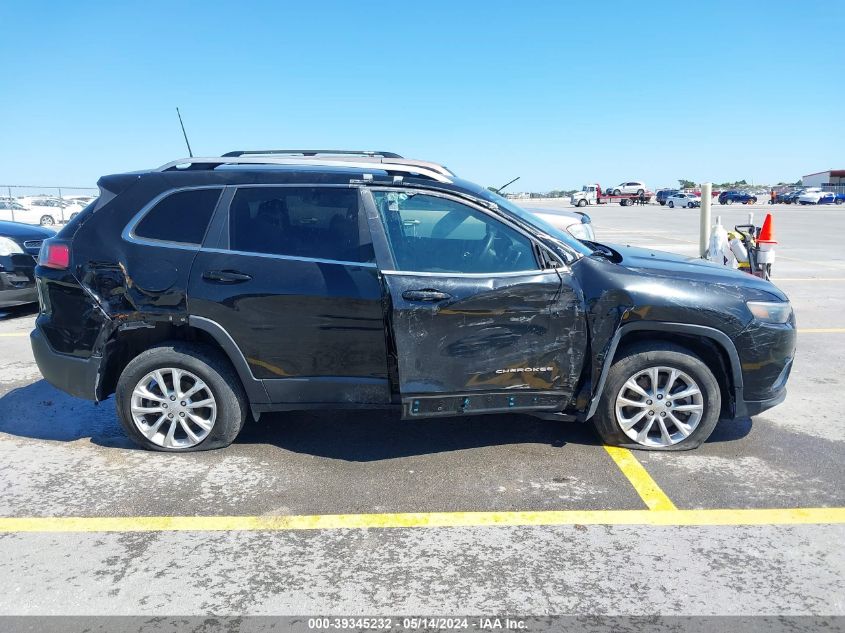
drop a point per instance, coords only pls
(767, 233)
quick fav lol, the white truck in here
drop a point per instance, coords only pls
(594, 194)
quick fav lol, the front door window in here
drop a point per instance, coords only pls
(432, 234)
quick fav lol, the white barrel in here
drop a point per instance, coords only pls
(739, 250)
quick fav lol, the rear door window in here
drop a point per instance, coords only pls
(313, 222)
(181, 217)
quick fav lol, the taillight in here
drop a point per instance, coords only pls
(54, 255)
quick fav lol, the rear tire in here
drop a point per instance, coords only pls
(671, 204)
(683, 431)
(640, 192)
(217, 426)
(46, 220)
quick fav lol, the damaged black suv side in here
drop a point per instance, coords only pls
(214, 289)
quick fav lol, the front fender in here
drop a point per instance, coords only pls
(717, 336)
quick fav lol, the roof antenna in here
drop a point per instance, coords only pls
(510, 182)
(179, 114)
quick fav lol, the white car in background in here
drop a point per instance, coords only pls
(683, 200)
(10, 210)
(43, 210)
(633, 186)
(75, 205)
(811, 196)
(577, 224)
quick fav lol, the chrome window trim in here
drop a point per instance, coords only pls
(294, 185)
(129, 235)
(314, 260)
(479, 205)
(518, 273)
(287, 185)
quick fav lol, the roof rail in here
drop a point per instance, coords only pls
(396, 166)
(312, 152)
(384, 158)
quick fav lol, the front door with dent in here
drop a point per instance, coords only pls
(477, 324)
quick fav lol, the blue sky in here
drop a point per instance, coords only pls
(558, 93)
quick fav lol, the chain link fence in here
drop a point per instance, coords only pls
(44, 205)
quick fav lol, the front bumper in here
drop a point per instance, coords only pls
(750, 408)
(17, 289)
(77, 376)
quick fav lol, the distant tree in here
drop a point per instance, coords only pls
(686, 184)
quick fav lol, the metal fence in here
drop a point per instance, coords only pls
(45, 205)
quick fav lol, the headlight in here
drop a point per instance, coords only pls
(582, 231)
(770, 311)
(8, 247)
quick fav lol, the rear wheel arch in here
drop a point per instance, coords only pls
(124, 346)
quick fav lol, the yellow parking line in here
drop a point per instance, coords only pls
(14, 333)
(779, 279)
(642, 482)
(735, 517)
(821, 330)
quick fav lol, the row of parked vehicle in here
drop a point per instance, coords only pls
(812, 195)
(43, 210)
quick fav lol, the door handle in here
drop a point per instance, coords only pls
(425, 295)
(226, 276)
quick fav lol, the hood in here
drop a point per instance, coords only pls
(19, 231)
(675, 266)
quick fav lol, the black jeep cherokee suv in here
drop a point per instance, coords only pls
(214, 288)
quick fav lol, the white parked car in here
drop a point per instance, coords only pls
(43, 210)
(10, 210)
(811, 196)
(577, 224)
(75, 205)
(633, 186)
(684, 200)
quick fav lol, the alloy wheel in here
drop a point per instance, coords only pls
(659, 406)
(173, 408)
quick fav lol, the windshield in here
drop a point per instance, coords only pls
(531, 218)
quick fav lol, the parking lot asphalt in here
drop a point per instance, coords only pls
(499, 514)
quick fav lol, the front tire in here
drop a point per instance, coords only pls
(46, 220)
(658, 396)
(690, 205)
(582, 203)
(180, 397)
(616, 192)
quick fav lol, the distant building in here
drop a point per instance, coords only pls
(829, 178)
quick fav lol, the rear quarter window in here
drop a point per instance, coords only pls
(180, 217)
